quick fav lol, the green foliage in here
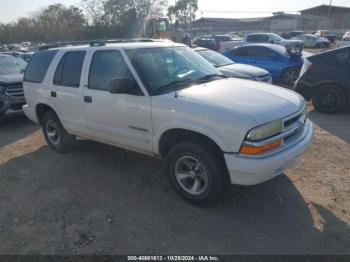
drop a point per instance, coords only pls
(95, 19)
(183, 11)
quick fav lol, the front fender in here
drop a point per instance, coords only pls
(190, 126)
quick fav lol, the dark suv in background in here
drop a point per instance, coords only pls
(11, 86)
(325, 79)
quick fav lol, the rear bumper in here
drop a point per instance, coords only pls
(8, 103)
(251, 171)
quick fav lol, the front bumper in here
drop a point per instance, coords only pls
(8, 103)
(251, 171)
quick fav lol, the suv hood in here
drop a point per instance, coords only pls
(11, 79)
(239, 69)
(261, 102)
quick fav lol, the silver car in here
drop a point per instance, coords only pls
(313, 41)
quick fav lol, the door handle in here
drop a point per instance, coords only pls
(53, 94)
(87, 99)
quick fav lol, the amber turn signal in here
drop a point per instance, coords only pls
(255, 150)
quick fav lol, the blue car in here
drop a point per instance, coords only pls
(281, 65)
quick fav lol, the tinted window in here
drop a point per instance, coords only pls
(106, 66)
(69, 69)
(38, 66)
(259, 52)
(240, 51)
(257, 38)
(343, 57)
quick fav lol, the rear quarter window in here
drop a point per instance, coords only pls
(38, 66)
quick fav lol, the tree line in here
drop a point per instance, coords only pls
(94, 19)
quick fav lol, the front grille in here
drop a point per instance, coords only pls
(291, 121)
(15, 91)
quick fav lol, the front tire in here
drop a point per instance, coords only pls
(290, 75)
(197, 175)
(57, 138)
(329, 99)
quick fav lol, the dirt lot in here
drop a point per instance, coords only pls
(101, 199)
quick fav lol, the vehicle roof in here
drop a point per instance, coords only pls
(271, 46)
(315, 36)
(125, 45)
(336, 50)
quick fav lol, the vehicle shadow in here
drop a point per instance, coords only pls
(336, 124)
(15, 127)
(101, 199)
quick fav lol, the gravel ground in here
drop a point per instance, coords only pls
(101, 199)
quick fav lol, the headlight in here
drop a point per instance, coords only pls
(265, 131)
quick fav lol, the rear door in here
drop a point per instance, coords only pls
(120, 119)
(66, 90)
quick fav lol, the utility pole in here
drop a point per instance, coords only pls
(330, 14)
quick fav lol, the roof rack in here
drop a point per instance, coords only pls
(93, 43)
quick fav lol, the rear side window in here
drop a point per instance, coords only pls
(38, 66)
(257, 38)
(69, 69)
(240, 51)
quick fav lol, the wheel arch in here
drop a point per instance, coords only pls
(41, 109)
(174, 135)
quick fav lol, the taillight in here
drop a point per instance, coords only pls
(306, 66)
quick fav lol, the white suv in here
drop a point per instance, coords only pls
(165, 100)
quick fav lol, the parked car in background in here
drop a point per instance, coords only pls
(206, 42)
(295, 46)
(226, 42)
(27, 56)
(345, 41)
(11, 87)
(163, 99)
(231, 69)
(325, 79)
(313, 41)
(281, 65)
(325, 33)
(296, 33)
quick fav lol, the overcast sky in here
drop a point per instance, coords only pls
(10, 10)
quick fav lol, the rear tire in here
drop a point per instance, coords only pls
(57, 138)
(329, 99)
(197, 175)
(290, 75)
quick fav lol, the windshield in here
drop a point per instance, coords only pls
(165, 69)
(277, 37)
(215, 58)
(11, 65)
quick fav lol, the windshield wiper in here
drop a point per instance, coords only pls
(207, 77)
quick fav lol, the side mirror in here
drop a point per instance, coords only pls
(122, 86)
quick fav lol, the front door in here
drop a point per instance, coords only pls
(120, 119)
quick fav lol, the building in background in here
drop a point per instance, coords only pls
(311, 19)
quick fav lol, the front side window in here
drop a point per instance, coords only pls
(38, 66)
(69, 69)
(161, 68)
(107, 66)
(11, 65)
